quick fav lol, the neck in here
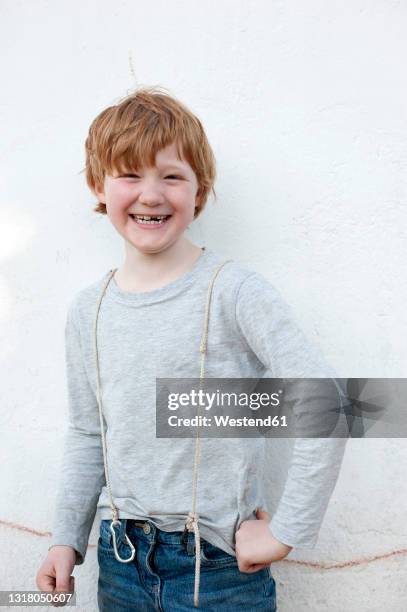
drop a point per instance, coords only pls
(147, 271)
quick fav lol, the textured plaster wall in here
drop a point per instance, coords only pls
(305, 106)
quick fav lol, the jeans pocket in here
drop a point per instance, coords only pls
(105, 542)
(105, 536)
(212, 556)
(270, 587)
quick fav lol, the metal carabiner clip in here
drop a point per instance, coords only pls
(116, 553)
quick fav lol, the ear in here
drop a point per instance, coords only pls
(99, 192)
(198, 198)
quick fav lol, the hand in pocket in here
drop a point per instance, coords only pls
(256, 547)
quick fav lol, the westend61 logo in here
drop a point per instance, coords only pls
(281, 407)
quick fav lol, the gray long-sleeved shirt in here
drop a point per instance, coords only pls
(141, 336)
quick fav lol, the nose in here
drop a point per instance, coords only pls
(150, 194)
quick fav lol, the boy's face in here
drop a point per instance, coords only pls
(169, 188)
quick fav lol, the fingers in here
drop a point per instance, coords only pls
(64, 581)
(263, 515)
(54, 578)
(45, 578)
(258, 566)
(245, 565)
(54, 575)
(251, 569)
(65, 585)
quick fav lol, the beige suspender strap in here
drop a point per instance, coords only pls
(193, 517)
(115, 512)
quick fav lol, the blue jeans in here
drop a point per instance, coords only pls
(161, 575)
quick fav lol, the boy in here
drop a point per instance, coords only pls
(150, 165)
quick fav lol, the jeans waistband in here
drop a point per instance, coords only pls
(148, 531)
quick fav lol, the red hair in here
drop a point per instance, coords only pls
(129, 134)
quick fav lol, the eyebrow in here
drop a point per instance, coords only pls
(170, 167)
(173, 167)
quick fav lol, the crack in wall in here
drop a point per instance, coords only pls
(313, 564)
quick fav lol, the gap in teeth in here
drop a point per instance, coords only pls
(149, 217)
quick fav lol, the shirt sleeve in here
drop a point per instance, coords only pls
(82, 474)
(269, 327)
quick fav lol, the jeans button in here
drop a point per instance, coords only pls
(146, 528)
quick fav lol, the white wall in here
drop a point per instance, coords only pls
(305, 106)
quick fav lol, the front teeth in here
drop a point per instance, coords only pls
(147, 220)
(147, 217)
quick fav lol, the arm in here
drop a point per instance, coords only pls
(82, 474)
(269, 328)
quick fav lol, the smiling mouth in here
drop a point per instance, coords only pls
(150, 219)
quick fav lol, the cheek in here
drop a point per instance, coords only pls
(117, 203)
(117, 214)
(185, 202)
(184, 214)
(119, 194)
